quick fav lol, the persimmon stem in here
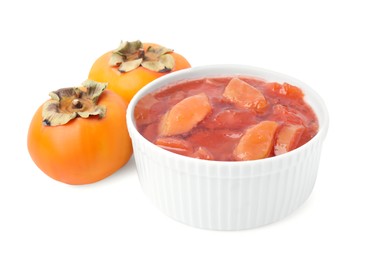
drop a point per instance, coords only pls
(77, 104)
(68, 103)
(130, 55)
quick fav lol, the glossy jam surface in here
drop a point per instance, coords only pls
(227, 118)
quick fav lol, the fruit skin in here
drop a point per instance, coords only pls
(85, 150)
(127, 84)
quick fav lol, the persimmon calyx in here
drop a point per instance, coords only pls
(130, 55)
(68, 103)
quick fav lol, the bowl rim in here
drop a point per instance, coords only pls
(242, 70)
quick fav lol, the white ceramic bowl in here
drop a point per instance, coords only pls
(227, 195)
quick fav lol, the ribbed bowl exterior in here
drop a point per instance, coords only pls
(227, 195)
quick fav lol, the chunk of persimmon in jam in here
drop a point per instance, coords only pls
(257, 142)
(288, 138)
(176, 145)
(286, 90)
(185, 115)
(243, 95)
(286, 114)
(230, 119)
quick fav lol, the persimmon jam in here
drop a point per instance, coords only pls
(227, 118)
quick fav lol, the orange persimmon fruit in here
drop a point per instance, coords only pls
(133, 65)
(80, 135)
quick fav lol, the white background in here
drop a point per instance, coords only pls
(46, 45)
